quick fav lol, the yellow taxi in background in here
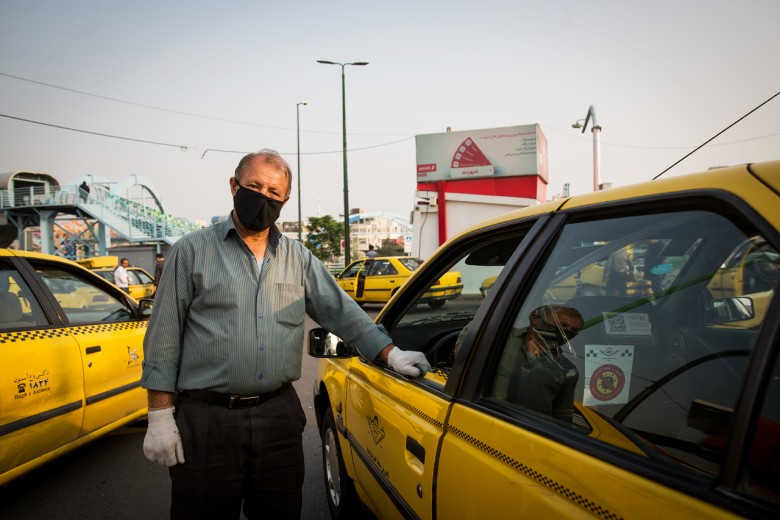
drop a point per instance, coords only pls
(376, 280)
(141, 282)
(663, 403)
(71, 348)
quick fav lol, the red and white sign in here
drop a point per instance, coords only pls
(494, 152)
(607, 374)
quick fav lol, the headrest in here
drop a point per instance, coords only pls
(10, 308)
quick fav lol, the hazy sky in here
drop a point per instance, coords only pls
(663, 76)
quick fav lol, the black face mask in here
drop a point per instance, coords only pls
(551, 332)
(254, 210)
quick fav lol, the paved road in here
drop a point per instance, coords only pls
(110, 479)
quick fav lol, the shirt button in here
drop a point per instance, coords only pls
(262, 346)
(260, 315)
(261, 376)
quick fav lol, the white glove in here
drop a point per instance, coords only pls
(162, 443)
(404, 361)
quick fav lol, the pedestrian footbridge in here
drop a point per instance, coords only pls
(132, 208)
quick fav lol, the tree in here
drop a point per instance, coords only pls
(324, 237)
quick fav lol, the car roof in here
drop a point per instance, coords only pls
(741, 181)
(33, 254)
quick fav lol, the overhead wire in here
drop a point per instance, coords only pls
(716, 135)
(179, 112)
(186, 147)
(191, 114)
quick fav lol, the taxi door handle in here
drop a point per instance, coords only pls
(93, 350)
(416, 449)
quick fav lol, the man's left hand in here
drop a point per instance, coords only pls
(408, 362)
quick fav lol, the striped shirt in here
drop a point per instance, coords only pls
(221, 323)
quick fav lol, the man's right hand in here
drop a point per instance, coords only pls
(162, 443)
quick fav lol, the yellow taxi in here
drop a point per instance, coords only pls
(141, 283)
(71, 348)
(376, 280)
(659, 403)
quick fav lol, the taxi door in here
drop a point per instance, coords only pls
(381, 281)
(141, 284)
(347, 280)
(110, 342)
(395, 426)
(41, 402)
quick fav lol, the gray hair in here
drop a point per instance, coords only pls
(271, 157)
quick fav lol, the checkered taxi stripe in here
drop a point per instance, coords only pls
(32, 335)
(542, 479)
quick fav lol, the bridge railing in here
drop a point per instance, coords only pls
(142, 221)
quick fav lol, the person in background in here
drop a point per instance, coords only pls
(121, 279)
(371, 253)
(158, 269)
(618, 271)
(84, 191)
(653, 266)
(224, 345)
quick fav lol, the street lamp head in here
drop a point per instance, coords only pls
(303, 102)
(578, 124)
(358, 63)
(328, 62)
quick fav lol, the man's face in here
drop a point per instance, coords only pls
(569, 323)
(264, 178)
(559, 323)
(125, 263)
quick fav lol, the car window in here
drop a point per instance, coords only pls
(132, 278)
(82, 301)
(352, 270)
(106, 275)
(450, 296)
(143, 278)
(632, 326)
(382, 268)
(18, 306)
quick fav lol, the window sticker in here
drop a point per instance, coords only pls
(607, 374)
(627, 324)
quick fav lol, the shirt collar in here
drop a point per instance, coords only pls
(227, 225)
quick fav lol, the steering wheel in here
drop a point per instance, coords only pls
(442, 353)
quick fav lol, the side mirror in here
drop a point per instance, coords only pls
(725, 310)
(145, 306)
(323, 344)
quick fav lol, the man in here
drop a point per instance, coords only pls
(371, 253)
(158, 269)
(653, 268)
(84, 191)
(121, 278)
(543, 380)
(618, 271)
(223, 345)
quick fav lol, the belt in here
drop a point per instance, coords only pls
(233, 400)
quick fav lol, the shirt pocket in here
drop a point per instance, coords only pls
(290, 304)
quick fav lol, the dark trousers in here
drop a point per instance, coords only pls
(250, 455)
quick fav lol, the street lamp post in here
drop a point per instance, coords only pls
(596, 130)
(298, 132)
(344, 132)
